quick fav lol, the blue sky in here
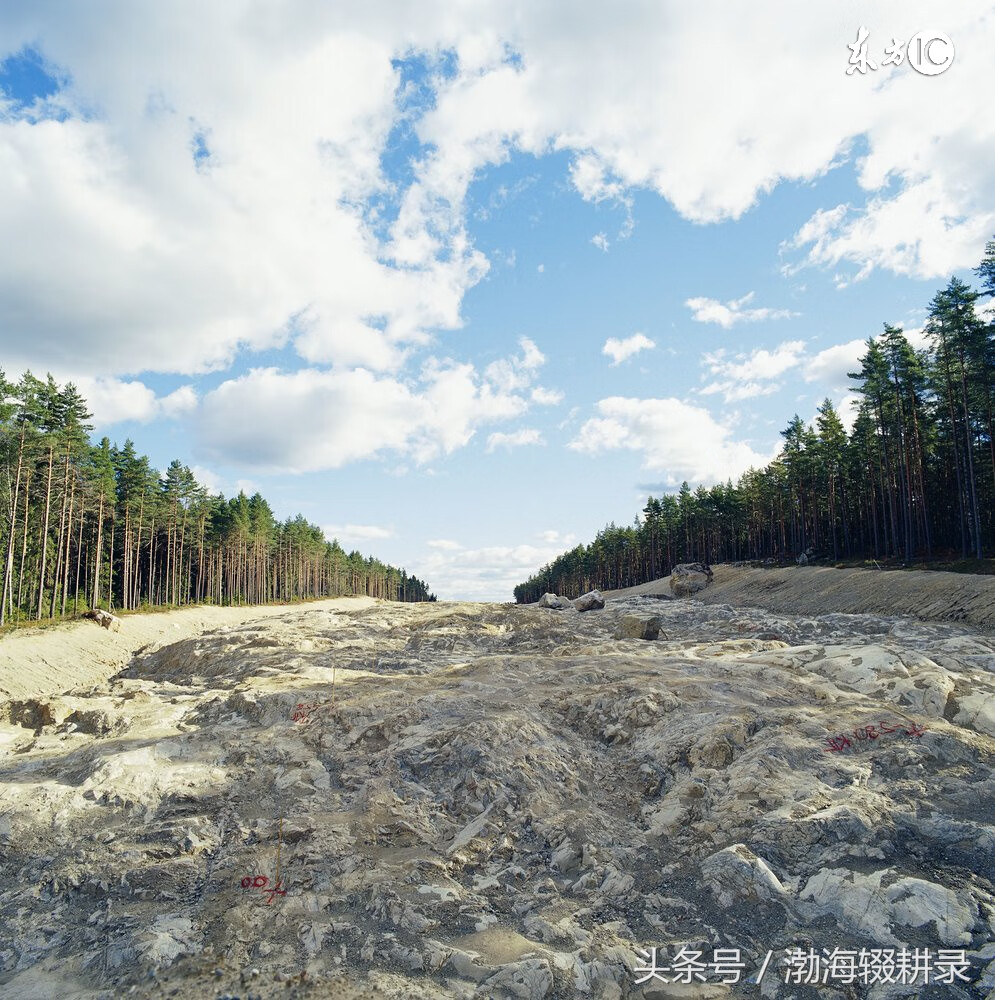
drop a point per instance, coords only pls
(463, 284)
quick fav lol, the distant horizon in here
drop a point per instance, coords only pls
(462, 287)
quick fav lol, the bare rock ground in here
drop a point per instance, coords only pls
(37, 662)
(467, 800)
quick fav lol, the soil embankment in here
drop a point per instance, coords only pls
(49, 660)
(814, 590)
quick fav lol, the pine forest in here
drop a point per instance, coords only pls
(912, 481)
(86, 526)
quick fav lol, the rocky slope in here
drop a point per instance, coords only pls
(465, 800)
(928, 595)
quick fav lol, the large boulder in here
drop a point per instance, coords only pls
(591, 601)
(104, 618)
(553, 602)
(638, 627)
(690, 578)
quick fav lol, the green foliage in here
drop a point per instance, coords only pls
(84, 525)
(914, 479)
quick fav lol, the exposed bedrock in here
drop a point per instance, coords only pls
(463, 800)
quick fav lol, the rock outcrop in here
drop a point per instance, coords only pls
(478, 801)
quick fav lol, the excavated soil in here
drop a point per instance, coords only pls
(472, 800)
(811, 590)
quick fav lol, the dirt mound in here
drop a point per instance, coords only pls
(811, 590)
(50, 660)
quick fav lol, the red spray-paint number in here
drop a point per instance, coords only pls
(260, 882)
(864, 734)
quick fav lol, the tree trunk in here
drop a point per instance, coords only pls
(8, 568)
(44, 534)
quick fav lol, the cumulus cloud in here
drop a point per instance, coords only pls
(136, 254)
(678, 439)
(489, 573)
(113, 401)
(343, 416)
(728, 314)
(589, 176)
(546, 397)
(350, 533)
(210, 480)
(553, 536)
(833, 364)
(746, 376)
(170, 217)
(514, 439)
(446, 544)
(513, 374)
(847, 408)
(619, 350)
(935, 223)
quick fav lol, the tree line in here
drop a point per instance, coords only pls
(86, 525)
(914, 478)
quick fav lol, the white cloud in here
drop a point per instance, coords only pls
(178, 402)
(938, 220)
(677, 439)
(343, 416)
(209, 479)
(601, 242)
(555, 537)
(350, 533)
(514, 439)
(215, 483)
(513, 374)
(834, 363)
(546, 397)
(489, 573)
(446, 544)
(727, 314)
(113, 400)
(746, 376)
(847, 408)
(590, 177)
(132, 256)
(569, 418)
(619, 350)
(347, 342)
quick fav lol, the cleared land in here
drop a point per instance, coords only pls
(472, 800)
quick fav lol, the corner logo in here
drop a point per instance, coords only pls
(928, 52)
